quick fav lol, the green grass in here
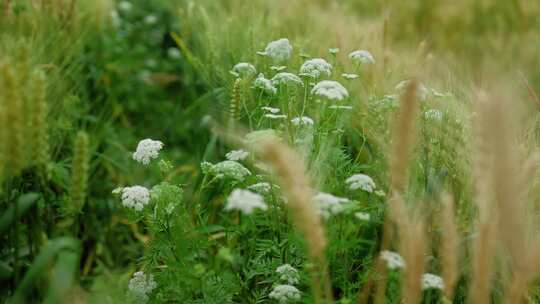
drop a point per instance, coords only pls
(112, 81)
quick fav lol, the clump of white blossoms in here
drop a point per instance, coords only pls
(236, 155)
(147, 149)
(333, 51)
(279, 50)
(264, 84)
(245, 201)
(350, 76)
(362, 56)
(285, 78)
(135, 197)
(271, 110)
(262, 187)
(329, 204)
(330, 89)
(288, 274)
(302, 121)
(339, 107)
(226, 169)
(393, 259)
(285, 293)
(141, 286)
(363, 216)
(150, 19)
(421, 91)
(278, 68)
(316, 67)
(243, 70)
(174, 53)
(275, 116)
(433, 114)
(125, 6)
(361, 181)
(431, 281)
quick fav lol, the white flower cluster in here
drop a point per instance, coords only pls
(330, 89)
(271, 110)
(329, 204)
(361, 181)
(363, 216)
(431, 281)
(245, 201)
(393, 259)
(285, 293)
(362, 56)
(244, 70)
(264, 84)
(141, 286)
(316, 67)
(433, 114)
(288, 274)
(278, 50)
(350, 76)
(288, 79)
(302, 121)
(262, 188)
(226, 169)
(237, 155)
(147, 150)
(135, 197)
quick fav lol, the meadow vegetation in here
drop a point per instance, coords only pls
(306, 151)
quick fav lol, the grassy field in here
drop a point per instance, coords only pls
(235, 151)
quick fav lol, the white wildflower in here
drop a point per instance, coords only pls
(262, 188)
(141, 286)
(362, 56)
(150, 19)
(350, 76)
(380, 193)
(333, 50)
(317, 67)
(275, 116)
(125, 6)
(393, 259)
(245, 201)
(226, 169)
(363, 216)
(244, 70)
(285, 293)
(430, 281)
(278, 68)
(278, 50)
(237, 155)
(147, 149)
(303, 120)
(338, 107)
(285, 78)
(288, 274)
(271, 110)
(433, 114)
(421, 91)
(361, 181)
(329, 204)
(174, 53)
(115, 18)
(264, 84)
(330, 89)
(135, 197)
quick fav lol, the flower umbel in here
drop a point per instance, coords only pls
(393, 259)
(135, 197)
(147, 149)
(285, 293)
(315, 68)
(236, 155)
(330, 89)
(245, 201)
(431, 281)
(140, 286)
(278, 50)
(288, 274)
(362, 56)
(361, 181)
